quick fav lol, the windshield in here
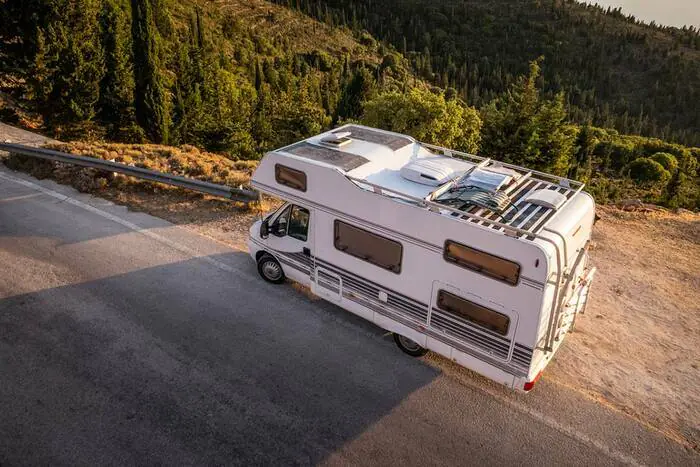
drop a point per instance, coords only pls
(275, 212)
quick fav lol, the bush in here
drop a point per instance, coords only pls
(615, 154)
(668, 161)
(427, 117)
(645, 170)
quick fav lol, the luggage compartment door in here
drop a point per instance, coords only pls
(327, 284)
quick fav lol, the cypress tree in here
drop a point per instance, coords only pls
(73, 63)
(358, 90)
(117, 85)
(149, 92)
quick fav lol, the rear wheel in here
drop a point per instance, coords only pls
(270, 269)
(410, 347)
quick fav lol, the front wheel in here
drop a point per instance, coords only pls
(408, 346)
(270, 269)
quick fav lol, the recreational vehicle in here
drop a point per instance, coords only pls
(483, 262)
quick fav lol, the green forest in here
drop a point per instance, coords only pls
(549, 84)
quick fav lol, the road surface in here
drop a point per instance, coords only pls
(125, 340)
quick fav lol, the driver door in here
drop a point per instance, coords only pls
(291, 238)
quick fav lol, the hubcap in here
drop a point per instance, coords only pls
(272, 270)
(410, 345)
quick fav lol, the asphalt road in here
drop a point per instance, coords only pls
(125, 340)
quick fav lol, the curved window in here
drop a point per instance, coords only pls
(484, 263)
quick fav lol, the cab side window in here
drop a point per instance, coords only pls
(279, 227)
(299, 224)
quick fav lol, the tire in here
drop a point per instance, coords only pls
(270, 269)
(409, 347)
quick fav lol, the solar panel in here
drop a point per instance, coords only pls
(394, 142)
(340, 159)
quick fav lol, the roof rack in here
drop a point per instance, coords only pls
(521, 218)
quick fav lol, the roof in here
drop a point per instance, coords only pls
(373, 159)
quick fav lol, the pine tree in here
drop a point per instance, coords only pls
(149, 93)
(555, 137)
(522, 128)
(510, 132)
(585, 144)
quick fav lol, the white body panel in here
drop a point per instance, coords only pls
(405, 303)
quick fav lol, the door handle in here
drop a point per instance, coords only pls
(306, 251)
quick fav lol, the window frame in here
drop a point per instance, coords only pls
(481, 269)
(284, 210)
(396, 269)
(278, 170)
(470, 318)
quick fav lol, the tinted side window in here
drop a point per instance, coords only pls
(477, 314)
(292, 178)
(368, 246)
(479, 261)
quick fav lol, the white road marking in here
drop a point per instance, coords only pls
(549, 421)
(19, 198)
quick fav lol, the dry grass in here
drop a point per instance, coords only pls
(155, 198)
(186, 161)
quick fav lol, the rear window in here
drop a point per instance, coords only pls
(292, 178)
(481, 262)
(477, 314)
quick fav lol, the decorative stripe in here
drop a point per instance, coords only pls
(445, 327)
(445, 339)
(354, 277)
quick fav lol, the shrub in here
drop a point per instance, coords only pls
(645, 170)
(668, 161)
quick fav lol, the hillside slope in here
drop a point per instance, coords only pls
(616, 71)
(231, 76)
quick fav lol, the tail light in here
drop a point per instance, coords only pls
(531, 384)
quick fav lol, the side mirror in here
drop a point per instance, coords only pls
(264, 229)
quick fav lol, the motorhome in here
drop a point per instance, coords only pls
(483, 262)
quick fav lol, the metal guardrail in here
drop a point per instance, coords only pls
(222, 191)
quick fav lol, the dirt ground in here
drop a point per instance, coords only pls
(638, 345)
(637, 348)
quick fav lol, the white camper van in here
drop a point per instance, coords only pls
(483, 262)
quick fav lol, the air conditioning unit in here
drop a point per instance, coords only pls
(429, 172)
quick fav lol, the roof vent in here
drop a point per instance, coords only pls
(337, 140)
(549, 199)
(428, 172)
